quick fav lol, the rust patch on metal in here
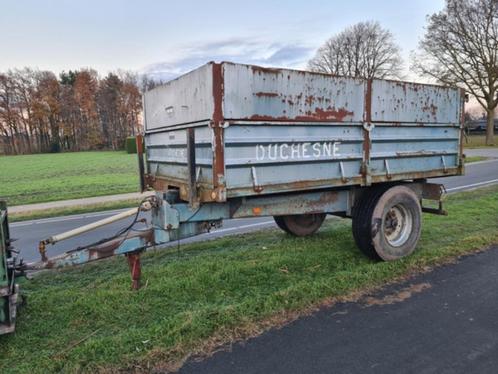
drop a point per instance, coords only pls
(318, 115)
(367, 144)
(108, 249)
(325, 199)
(261, 70)
(309, 100)
(328, 114)
(104, 250)
(399, 296)
(133, 260)
(149, 180)
(258, 117)
(402, 85)
(218, 144)
(432, 191)
(218, 91)
(368, 102)
(415, 175)
(432, 109)
(266, 94)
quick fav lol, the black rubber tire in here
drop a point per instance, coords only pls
(369, 215)
(281, 224)
(300, 224)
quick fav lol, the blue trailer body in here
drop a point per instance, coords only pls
(260, 131)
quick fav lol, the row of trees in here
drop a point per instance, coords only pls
(78, 110)
(40, 112)
(460, 47)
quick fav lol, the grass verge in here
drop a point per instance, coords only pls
(86, 319)
(60, 212)
(471, 159)
(477, 141)
(40, 178)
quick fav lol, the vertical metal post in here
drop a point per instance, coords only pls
(367, 126)
(140, 154)
(192, 193)
(133, 259)
(219, 192)
(461, 161)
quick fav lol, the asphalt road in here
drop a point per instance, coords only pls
(29, 233)
(444, 321)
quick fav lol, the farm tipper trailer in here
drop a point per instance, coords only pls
(230, 141)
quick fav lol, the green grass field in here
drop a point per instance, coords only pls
(38, 178)
(477, 141)
(86, 319)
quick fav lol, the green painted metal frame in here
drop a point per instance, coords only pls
(9, 290)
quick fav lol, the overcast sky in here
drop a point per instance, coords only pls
(171, 37)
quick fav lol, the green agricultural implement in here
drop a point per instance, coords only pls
(9, 270)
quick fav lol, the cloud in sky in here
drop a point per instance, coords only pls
(291, 55)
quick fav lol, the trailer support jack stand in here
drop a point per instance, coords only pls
(133, 259)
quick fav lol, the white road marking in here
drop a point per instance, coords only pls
(66, 218)
(241, 227)
(481, 162)
(474, 185)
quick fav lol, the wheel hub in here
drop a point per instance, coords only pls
(397, 225)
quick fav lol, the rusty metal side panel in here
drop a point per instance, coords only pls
(413, 150)
(186, 99)
(394, 101)
(256, 93)
(167, 156)
(268, 158)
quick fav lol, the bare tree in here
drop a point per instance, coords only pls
(460, 47)
(363, 50)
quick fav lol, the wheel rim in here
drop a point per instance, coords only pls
(398, 224)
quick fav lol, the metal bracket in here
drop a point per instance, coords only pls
(445, 169)
(198, 175)
(171, 217)
(343, 175)
(438, 211)
(388, 172)
(255, 184)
